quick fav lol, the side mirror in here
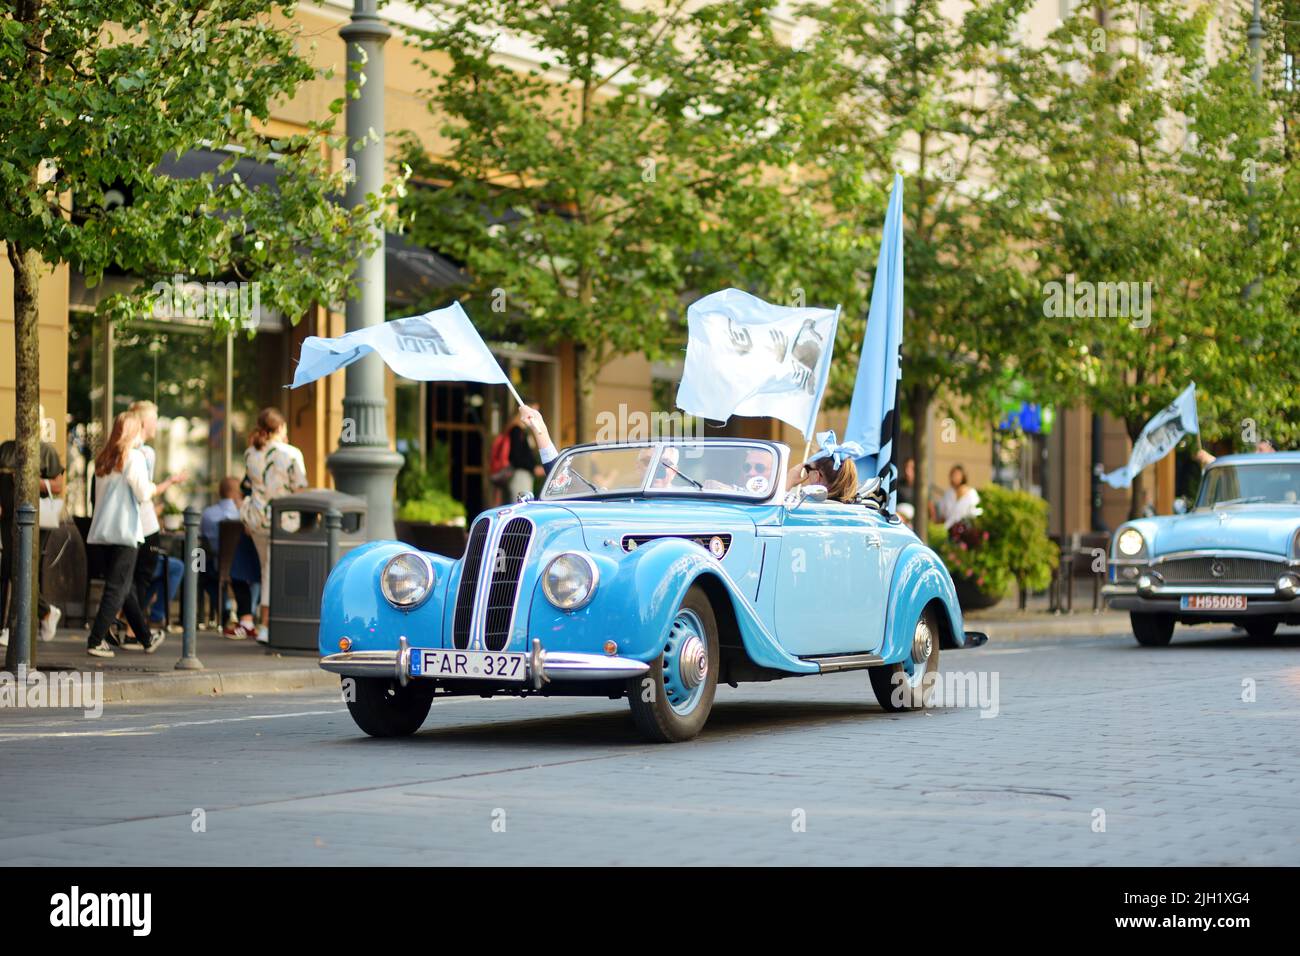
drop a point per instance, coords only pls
(814, 493)
(1180, 506)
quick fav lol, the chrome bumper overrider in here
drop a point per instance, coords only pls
(542, 665)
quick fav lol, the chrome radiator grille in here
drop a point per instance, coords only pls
(489, 584)
(507, 567)
(460, 627)
(1219, 571)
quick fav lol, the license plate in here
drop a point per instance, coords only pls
(1213, 602)
(470, 665)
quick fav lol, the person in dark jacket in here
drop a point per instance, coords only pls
(522, 457)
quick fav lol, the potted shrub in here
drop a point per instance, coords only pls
(1007, 543)
(428, 517)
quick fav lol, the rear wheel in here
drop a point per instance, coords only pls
(671, 701)
(1152, 630)
(1260, 628)
(904, 686)
(384, 708)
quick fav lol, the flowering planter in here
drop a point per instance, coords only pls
(972, 598)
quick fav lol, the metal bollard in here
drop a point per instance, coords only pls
(190, 595)
(333, 526)
(23, 587)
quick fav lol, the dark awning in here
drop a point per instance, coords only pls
(414, 274)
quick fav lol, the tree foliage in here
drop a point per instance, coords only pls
(592, 194)
(94, 94)
(1152, 159)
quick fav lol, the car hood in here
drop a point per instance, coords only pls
(602, 520)
(1265, 528)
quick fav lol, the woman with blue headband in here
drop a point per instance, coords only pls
(833, 467)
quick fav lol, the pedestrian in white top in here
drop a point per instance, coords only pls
(275, 469)
(960, 502)
(146, 561)
(122, 490)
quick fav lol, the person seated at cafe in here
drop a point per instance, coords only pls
(226, 508)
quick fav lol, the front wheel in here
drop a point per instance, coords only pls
(908, 684)
(1152, 630)
(671, 701)
(384, 708)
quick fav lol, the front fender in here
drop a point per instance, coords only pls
(635, 603)
(919, 578)
(354, 607)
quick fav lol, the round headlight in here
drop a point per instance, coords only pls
(407, 580)
(570, 581)
(1130, 542)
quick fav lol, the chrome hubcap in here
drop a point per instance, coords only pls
(685, 662)
(693, 662)
(922, 642)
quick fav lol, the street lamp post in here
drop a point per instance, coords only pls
(364, 465)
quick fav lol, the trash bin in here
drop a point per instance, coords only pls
(300, 562)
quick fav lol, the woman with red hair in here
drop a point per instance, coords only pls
(122, 489)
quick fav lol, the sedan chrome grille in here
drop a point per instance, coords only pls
(507, 568)
(469, 574)
(1220, 571)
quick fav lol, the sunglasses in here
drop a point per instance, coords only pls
(755, 468)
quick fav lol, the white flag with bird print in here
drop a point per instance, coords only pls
(748, 357)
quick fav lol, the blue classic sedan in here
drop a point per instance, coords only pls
(1234, 558)
(651, 571)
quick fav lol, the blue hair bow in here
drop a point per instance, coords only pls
(835, 451)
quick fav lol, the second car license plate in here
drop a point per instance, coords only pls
(1213, 602)
(471, 665)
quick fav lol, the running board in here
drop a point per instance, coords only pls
(845, 662)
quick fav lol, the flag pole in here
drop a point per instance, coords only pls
(511, 386)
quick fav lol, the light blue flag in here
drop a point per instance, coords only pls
(872, 415)
(442, 345)
(748, 357)
(1159, 437)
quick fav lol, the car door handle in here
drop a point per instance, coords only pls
(873, 541)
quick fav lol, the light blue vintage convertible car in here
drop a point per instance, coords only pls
(651, 571)
(1234, 558)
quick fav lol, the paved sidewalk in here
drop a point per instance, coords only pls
(1006, 622)
(230, 667)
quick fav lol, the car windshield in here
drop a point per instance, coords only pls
(1270, 483)
(739, 469)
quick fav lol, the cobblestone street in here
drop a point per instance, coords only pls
(1100, 753)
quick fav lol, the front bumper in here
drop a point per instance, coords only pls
(542, 666)
(1261, 602)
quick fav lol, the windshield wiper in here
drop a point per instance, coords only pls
(674, 470)
(577, 474)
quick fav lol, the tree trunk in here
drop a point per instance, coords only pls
(27, 399)
(1136, 491)
(1138, 488)
(584, 380)
(920, 398)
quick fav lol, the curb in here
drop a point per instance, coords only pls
(216, 683)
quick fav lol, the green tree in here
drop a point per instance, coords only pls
(921, 91)
(93, 95)
(1157, 164)
(635, 164)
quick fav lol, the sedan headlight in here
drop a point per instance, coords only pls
(1130, 542)
(407, 580)
(570, 581)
